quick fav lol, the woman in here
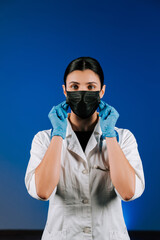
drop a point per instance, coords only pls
(84, 165)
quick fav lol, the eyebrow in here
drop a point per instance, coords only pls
(79, 83)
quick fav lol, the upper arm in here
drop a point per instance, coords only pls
(38, 149)
(129, 147)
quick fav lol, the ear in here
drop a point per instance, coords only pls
(64, 90)
(102, 91)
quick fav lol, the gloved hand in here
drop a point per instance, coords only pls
(108, 118)
(58, 117)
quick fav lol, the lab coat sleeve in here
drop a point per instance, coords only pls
(39, 146)
(129, 147)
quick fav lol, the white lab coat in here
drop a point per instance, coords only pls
(85, 204)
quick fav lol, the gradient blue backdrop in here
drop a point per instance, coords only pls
(38, 39)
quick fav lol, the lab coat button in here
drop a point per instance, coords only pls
(85, 201)
(95, 166)
(87, 230)
(85, 171)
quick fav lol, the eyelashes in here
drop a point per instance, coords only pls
(73, 86)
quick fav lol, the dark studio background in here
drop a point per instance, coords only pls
(38, 39)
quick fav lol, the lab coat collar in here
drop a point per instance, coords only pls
(69, 130)
(74, 145)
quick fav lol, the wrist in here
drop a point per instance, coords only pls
(55, 132)
(58, 135)
(111, 134)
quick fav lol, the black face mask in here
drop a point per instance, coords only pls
(83, 103)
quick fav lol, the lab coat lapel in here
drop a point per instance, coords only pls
(74, 145)
(94, 139)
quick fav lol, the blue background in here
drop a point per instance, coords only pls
(38, 39)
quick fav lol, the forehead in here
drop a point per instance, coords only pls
(84, 76)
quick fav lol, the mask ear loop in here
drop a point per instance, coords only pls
(99, 100)
(101, 137)
(67, 100)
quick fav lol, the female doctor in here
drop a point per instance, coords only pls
(84, 165)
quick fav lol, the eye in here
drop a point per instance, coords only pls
(91, 87)
(74, 86)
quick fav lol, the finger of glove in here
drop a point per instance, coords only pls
(64, 113)
(114, 113)
(65, 105)
(63, 108)
(53, 110)
(105, 110)
(103, 105)
(106, 113)
(60, 113)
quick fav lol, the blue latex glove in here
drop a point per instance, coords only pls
(58, 117)
(108, 118)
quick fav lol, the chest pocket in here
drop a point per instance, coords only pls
(50, 234)
(100, 179)
(70, 183)
(102, 187)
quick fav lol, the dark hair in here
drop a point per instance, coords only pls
(83, 63)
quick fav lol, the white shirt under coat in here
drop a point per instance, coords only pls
(85, 205)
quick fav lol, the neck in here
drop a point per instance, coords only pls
(79, 124)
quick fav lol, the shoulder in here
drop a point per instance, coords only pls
(125, 136)
(42, 136)
(44, 133)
